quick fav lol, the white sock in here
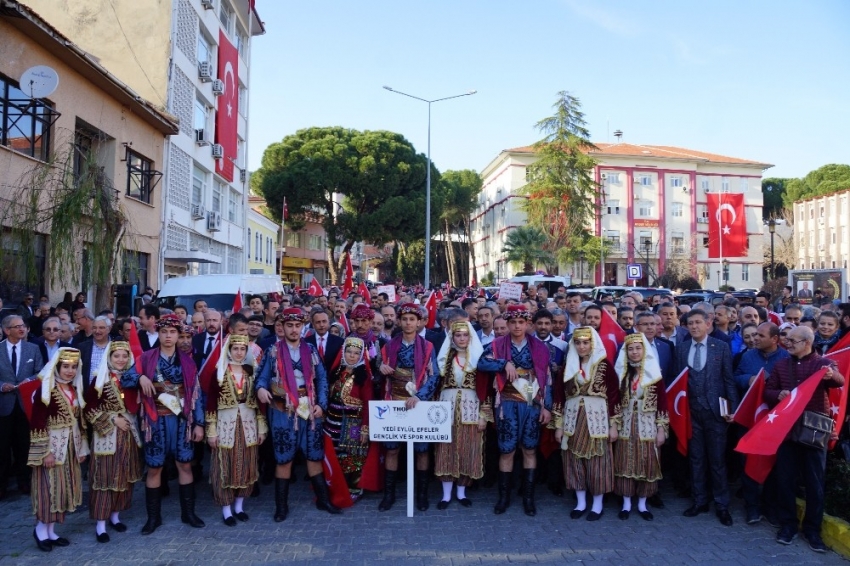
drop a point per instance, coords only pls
(627, 503)
(597, 504)
(101, 527)
(582, 500)
(237, 505)
(461, 492)
(41, 530)
(641, 503)
(447, 490)
(113, 518)
(50, 532)
(226, 512)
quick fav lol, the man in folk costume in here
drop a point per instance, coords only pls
(293, 383)
(235, 427)
(410, 372)
(589, 423)
(361, 318)
(173, 419)
(116, 462)
(523, 401)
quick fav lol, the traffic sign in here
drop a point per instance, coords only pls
(634, 271)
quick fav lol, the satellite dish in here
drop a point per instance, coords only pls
(39, 81)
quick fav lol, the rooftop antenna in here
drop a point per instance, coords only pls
(618, 134)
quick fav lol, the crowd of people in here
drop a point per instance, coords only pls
(535, 395)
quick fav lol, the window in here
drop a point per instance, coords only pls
(745, 272)
(833, 236)
(677, 209)
(249, 244)
(613, 206)
(703, 211)
(258, 239)
(243, 101)
(242, 44)
(613, 239)
(705, 184)
(225, 16)
(676, 182)
(141, 177)
(645, 241)
(240, 153)
(744, 188)
(269, 251)
(259, 247)
(201, 116)
(724, 184)
(644, 180)
(199, 181)
(811, 213)
(315, 242)
(293, 240)
(216, 196)
(705, 242)
(204, 49)
(612, 177)
(25, 122)
(645, 209)
(233, 207)
(822, 213)
(135, 268)
(677, 239)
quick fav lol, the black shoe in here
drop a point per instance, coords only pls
(242, 516)
(443, 505)
(281, 499)
(695, 510)
(753, 517)
(153, 504)
(323, 500)
(594, 516)
(623, 515)
(389, 490)
(724, 517)
(43, 545)
(187, 507)
(465, 502)
(119, 527)
(421, 487)
(504, 493)
(655, 501)
(786, 535)
(646, 515)
(103, 537)
(815, 542)
(230, 521)
(577, 513)
(60, 541)
(528, 492)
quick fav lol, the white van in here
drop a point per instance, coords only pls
(218, 291)
(551, 282)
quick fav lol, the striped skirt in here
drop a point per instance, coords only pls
(57, 490)
(588, 464)
(636, 462)
(463, 457)
(111, 477)
(233, 471)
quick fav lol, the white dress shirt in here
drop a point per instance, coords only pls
(17, 351)
(703, 353)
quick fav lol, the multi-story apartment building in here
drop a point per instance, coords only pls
(822, 231)
(653, 212)
(263, 234)
(192, 57)
(91, 120)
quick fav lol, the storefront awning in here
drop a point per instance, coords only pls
(191, 255)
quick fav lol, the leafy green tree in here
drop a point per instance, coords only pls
(562, 193)
(379, 174)
(460, 190)
(822, 181)
(525, 246)
(773, 189)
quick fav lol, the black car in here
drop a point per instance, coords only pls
(701, 295)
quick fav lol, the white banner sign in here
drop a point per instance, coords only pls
(510, 291)
(389, 290)
(429, 421)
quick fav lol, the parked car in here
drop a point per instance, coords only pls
(701, 295)
(550, 282)
(618, 291)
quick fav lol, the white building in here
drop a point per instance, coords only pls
(822, 231)
(654, 213)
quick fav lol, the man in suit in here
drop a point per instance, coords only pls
(710, 378)
(49, 342)
(805, 292)
(327, 344)
(19, 361)
(148, 336)
(26, 310)
(204, 342)
(92, 351)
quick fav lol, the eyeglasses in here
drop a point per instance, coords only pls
(795, 342)
(783, 334)
(18, 327)
(50, 329)
(255, 323)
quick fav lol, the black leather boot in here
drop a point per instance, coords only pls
(187, 506)
(389, 490)
(153, 504)
(281, 499)
(504, 493)
(323, 500)
(421, 483)
(528, 492)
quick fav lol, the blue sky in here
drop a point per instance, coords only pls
(765, 80)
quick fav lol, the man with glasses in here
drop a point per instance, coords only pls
(25, 309)
(794, 314)
(92, 351)
(50, 342)
(83, 319)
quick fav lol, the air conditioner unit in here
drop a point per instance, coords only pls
(198, 212)
(218, 151)
(201, 137)
(208, 4)
(218, 87)
(205, 71)
(214, 222)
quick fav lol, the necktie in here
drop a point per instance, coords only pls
(322, 347)
(15, 359)
(209, 346)
(698, 356)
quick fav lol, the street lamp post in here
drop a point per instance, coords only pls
(428, 177)
(726, 272)
(647, 246)
(771, 225)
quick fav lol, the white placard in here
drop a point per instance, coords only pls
(510, 291)
(389, 290)
(429, 421)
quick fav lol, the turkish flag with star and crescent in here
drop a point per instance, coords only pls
(838, 395)
(727, 221)
(752, 405)
(680, 411)
(228, 106)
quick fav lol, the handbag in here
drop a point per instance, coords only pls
(813, 429)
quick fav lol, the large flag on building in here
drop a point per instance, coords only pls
(727, 222)
(680, 411)
(226, 115)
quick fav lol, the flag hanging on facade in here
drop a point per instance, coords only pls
(227, 113)
(727, 221)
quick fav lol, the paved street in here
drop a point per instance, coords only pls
(362, 535)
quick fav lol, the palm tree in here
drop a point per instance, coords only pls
(525, 245)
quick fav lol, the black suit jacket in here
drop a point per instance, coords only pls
(145, 342)
(721, 379)
(42, 347)
(667, 359)
(333, 345)
(435, 337)
(199, 346)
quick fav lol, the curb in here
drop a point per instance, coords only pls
(835, 532)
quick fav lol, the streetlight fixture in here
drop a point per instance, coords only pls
(726, 272)
(428, 177)
(771, 225)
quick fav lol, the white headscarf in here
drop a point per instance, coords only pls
(572, 368)
(473, 351)
(102, 374)
(651, 370)
(47, 375)
(225, 359)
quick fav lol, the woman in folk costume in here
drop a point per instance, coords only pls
(642, 419)
(234, 429)
(116, 451)
(462, 460)
(347, 421)
(588, 425)
(57, 446)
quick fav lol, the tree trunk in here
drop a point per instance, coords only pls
(450, 254)
(332, 271)
(340, 266)
(471, 250)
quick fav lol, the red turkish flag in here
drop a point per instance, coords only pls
(612, 335)
(752, 406)
(431, 307)
(237, 301)
(226, 116)
(680, 411)
(337, 486)
(838, 395)
(841, 344)
(29, 392)
(348, 284)
(767, 434)
(343, 320)
(315, 290)
(364, 290)
(372, 473)
(727, 223)
(439, 295)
